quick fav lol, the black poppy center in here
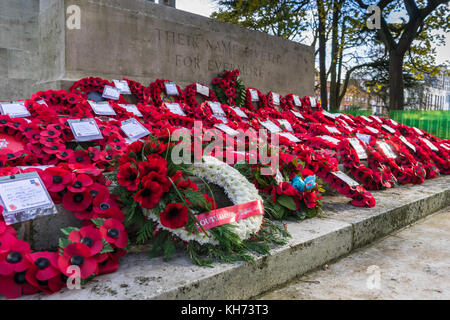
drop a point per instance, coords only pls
(64, 154)
(77, 184)
(54, 147)
(78, 198)
(104, 206)
(132, 177)
(77, 260)
(108, 157)
(93, 193)
(14, 257)
(87, 241)
(42, 263)
(3, 121)
(19, 278)
(173, 213)
(51, 132)
(79, 159)
(10, 155)
(57, 179)
(50, 140)
(91, 154)
(113, 233)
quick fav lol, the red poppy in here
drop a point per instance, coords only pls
(76, 201)
(43, 271)
(99, 192)
(154, 163)
(175, 216)
(14, 285)
(128, 176)
(80, 183)
(114, 232)
(14, 260)
(150, 194)
(80, 157)
(77, 254)
(89, 236)
(56, 179)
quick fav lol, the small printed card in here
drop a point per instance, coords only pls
(254, 95)
(389, 129)
(111, 93)
(42, 102)
(216, 108)
(313, 102)
(203, 90)
(221, 118)
(346, 178)
(276, 98)
(286, 124)
(272, 127)
(358, 148)
(333, 129)
(298, 114)
(297, 101)
(15, 109)
(290, 137)
(24, 197)
(134, 129)
(364, 137)
(132, 109)
(395, 123)
(445, 146)
(123, 86)
(279, 177)
(102, 108)
(329, 115)
(378, 119)
(171, 89)
(387, 150)
(239, 112)
(228, 130)
(419, 132)
(372, 129)
(330, 139)
(175, 108)
(367, 119)
(406, 142)
(85, 129)
(430, 145)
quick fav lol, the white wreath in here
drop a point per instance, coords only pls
(238, 189)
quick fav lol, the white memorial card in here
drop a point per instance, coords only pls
(221, 118)
(228, 130)
(358, 148)
(367, 119)
(15, 109)
(276, 98)
(333, 129)
(387, 128)
(297, 101)
(387, 150)
(171, 89)
(430, 145)
(272, 127)
(313, 102)
(123, 86)
(24, 197)
(406, 142)
(134, 129)
(364, 137)
(102, 108)
(239, 112)
(132, 109)
(254, 95)
(418, 131)
(346, 178)
(329, 115)
(85, 129)
(111, 93)
(330, 139)
(298, 114)
(286, 124)
(372, 129)
(203, 90)
(216, 108)
(175, 108)
(290, 137)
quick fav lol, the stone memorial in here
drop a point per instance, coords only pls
(51, 43)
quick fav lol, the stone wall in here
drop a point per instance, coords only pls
(142, 41)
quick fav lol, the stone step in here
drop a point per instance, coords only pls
(340, 229)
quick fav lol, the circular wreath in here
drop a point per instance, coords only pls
(249, 103)
(190, 93)
(95, 248)
(159, 94)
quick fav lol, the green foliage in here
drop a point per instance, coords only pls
(98, 222)
(68, 230)
(287, 202)
(106, 247)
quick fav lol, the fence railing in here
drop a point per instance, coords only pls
(436, 123)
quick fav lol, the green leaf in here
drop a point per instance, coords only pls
(168, 249)
(287, 202)
(98, 222)
(64, 242)
(68, 230)
(106, 247)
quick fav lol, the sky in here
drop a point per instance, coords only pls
(206, 7)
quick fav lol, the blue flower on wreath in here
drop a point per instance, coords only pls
(298, 184)
(310, 182)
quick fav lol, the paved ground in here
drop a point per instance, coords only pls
(413, 263)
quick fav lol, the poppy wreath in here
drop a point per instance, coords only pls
(255, 105)
(157, 89)
(92, 84)
(95, 248)
(272, 105)
(306, 105)
(140, 91)
(162, 201)
(323, 165)
(190, 92)
(286, 194)
(229, 88)
(289, 103)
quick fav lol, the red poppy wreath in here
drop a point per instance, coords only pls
(93, 249)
